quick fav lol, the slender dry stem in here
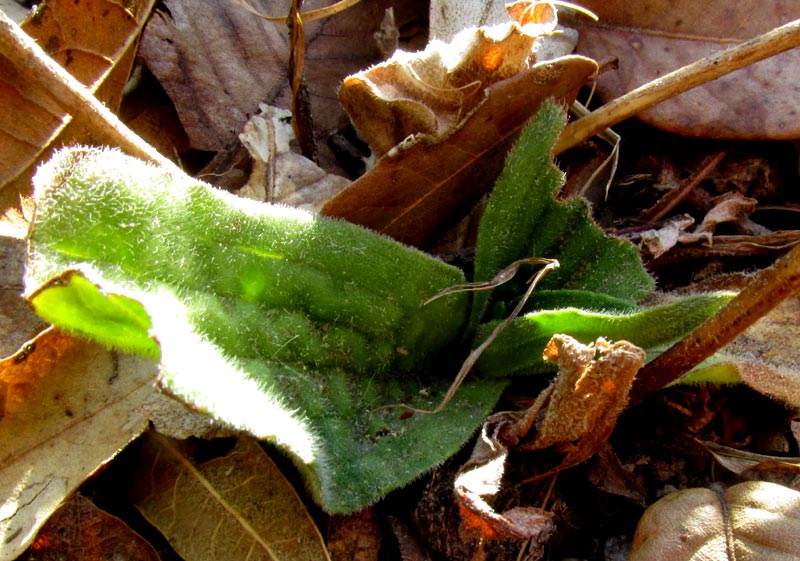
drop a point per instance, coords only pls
(770, 288)
(704, 70)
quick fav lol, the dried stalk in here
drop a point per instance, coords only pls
(704, 70)
(770, 288)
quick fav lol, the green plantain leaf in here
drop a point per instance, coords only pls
(290, 326)
(522, 219)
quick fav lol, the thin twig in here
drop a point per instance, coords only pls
(770, 288)
(72, 97)
(704, 70)
(671, 200)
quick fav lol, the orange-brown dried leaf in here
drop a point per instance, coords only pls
(79, 531)
(588, 394)
(432, 93)
(651, 38)
(411, 194)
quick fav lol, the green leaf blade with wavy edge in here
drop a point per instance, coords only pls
(522, 219)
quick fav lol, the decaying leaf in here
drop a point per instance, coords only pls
(587, 396)
(68, 406)
(752, 521)
(79, 531)
(430, 94)
(238, 506)
(445, 118)
(654, 37)
(410, 194)
(580, 411)
(764, 357)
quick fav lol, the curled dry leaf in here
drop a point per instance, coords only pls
(582, 407)
(589, 393)
(430, 94)
(240, 504)
(651, 38)
(481, 476)
(462, 106)
(67, 406)
(750, 521)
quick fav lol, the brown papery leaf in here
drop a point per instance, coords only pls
(236, 507)
(752, 521)
(67, 406)
(651, 38)
(412, 192)
(79, 531)
(588, 394)
(428, 95)
(93, 41)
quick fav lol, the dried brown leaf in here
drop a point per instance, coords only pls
(589, 393)
(409, 195)
(430, 94)
(79, 531)
(67, 406)
(765, 356)
(750, 521)
(651, 38)
(240, 504)
(94, 41)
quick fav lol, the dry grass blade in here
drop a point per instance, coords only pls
(503, 276)
(704, 70)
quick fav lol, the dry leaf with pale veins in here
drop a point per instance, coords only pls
(588, 394)
(67, 406)
(651, 38)
(752, 521)
(235, 507)
(79, 531)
